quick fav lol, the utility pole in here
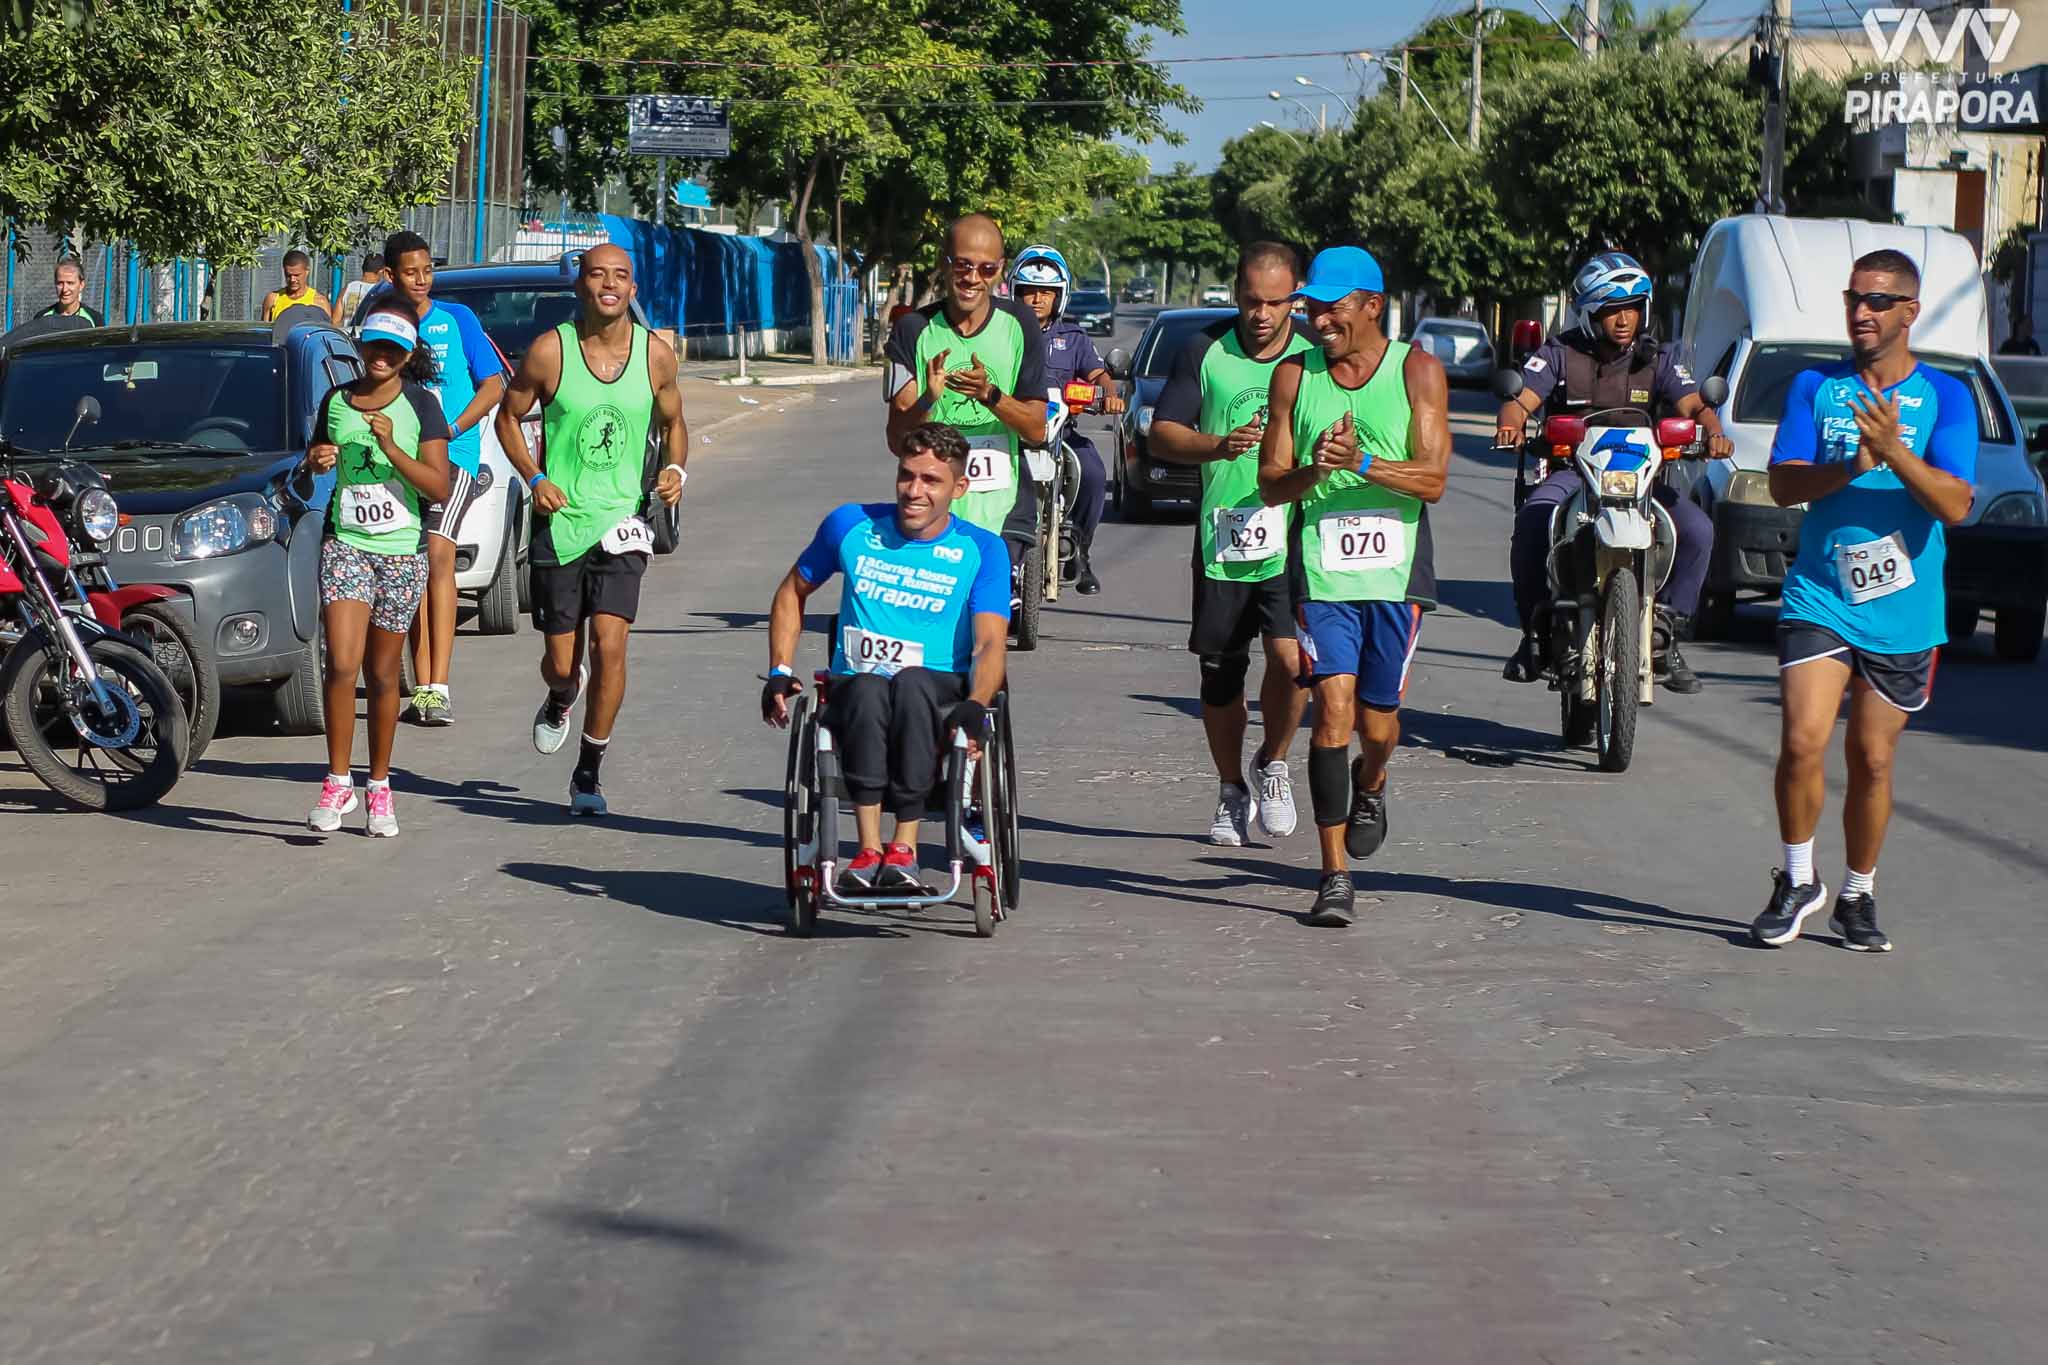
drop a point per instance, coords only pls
(1404, 78)
(1589, 30)
(1478, 39)
(1769, 68)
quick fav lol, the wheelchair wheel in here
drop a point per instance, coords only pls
(1009, 855)
(799, 819)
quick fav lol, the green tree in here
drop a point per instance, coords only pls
(165, 122)
(1173, 219)
(1251, 189)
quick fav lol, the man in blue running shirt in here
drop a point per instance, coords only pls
(1883, 450)
(470, 383)
(923, 623)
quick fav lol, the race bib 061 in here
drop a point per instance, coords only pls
(375, 508)
(1245, 535)
(989, 468)
(1362, 540)
(869, 651)
(1873, 569)
(629, 537)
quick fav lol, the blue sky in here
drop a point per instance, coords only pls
(1234, 93)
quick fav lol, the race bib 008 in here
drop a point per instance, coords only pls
(1245, 535)
(375, 508)
(869, 651)
(1362, 540)
(629, 537)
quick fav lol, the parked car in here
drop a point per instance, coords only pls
(2026, 383)
(1140, 291)
(1766, 304)
(198, 424)
(1092, 311)
(1464, 348)
(1137, 481)
(1216, 296)
(516, 303)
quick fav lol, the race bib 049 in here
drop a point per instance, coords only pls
(1873, 569)
(989, 467)
(629, 537)
(869, 651)
(375, 508)
(1245, 535)
(1362, 540)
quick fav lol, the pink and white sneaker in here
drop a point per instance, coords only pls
(383, 816)
(337, 799)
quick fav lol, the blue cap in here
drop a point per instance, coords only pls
(1339, 270)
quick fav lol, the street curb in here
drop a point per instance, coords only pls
(738, 417)
(795, 381)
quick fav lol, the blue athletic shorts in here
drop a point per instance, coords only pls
(1373, 640)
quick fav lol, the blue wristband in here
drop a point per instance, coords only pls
(534, 482)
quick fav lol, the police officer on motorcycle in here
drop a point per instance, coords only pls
(1609, 361)
(1040, 280)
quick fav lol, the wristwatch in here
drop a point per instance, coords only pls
(995, 395)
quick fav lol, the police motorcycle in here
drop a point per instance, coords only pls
(1611, 549)
(1056, 475)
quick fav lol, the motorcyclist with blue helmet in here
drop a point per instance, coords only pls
(1609, 361)
(1040, 280)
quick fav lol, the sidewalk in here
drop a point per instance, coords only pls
(710, 407)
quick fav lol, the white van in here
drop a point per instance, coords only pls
(1766, 303)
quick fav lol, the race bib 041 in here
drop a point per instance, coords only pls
(629, 537)
(375, 508)
(1873, 569)
(869, 651)
(1362, 540)
(1245, 535)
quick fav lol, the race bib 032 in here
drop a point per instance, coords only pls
(869, 651)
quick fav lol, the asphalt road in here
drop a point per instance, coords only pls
(515, 1089)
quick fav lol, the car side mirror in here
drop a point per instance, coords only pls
(1714, 392)
(1507, 385)
(84, 413)
(1119, 363)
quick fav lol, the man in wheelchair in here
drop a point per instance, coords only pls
(918, 648)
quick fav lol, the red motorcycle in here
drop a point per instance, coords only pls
(89, 712)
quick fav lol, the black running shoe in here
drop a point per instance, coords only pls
(1855, 919)
(1366, 830)
(1789, 907)
(1526, 663)
(1334, 908)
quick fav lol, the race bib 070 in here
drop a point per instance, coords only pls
(989, 467)
(375, 508)
(1245, 535)
(1362, 540)
(869, 651)
(629, 537)
(1873, 569)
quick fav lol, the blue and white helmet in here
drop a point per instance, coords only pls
(1611, 278)
(1043, 266)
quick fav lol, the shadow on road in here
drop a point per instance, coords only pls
(1486, 743)
(1489, 599)
(674, 1232)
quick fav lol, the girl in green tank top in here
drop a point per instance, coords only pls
(595, 448)
(386, 442)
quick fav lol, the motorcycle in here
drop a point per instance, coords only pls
(1612, 546)
(87, 709)
(1056, 473)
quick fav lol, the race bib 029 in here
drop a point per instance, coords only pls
(629, 537)
(1872, 569)
(1362, 540)
(375, 508)
(869, 651)
(1245, 535)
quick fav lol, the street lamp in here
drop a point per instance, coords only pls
(1401, 69)
(1268, 123)
(1349, 112)
(1322, 122)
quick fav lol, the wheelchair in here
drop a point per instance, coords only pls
(976, 798)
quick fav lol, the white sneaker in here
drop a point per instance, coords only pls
(549, 737)
(336, 800)
(1232, 827)
(383, 821)
(1276, 799)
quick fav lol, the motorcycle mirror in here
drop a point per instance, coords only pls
(1507, 385)
(1119, 363)
(1714, 392)
(83, 413)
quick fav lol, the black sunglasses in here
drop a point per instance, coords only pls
(1877, 302)
(960, 265)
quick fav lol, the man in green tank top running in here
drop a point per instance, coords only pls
(603, 383)
(1360, 438)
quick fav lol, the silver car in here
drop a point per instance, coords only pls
(1464, 348)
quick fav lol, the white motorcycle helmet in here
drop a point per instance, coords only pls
(1042, 267)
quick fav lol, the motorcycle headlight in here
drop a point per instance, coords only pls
(1751, 487)
(222, 528)
(1145, 421)
(2013, 509)
(1620, 483)
(98, 514)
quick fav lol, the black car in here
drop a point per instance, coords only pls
(1092, 312)
(198, 423)
(1140, 291)
(1137, 480)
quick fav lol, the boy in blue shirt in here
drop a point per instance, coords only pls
(924, 621)
(1883, 450)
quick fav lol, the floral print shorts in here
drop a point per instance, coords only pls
(391, 584)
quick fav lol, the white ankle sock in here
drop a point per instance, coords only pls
(1799, 863)
(340, 779)
(377, 784)
(1859, 883)
(441, 688)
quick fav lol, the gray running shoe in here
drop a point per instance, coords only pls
(1790, 906)
(1855, 919)
(437, 711)
(1366, 830)
(383, 822)
(1276, 799)
(1334, 907)
(336, 800)
(1232, 826)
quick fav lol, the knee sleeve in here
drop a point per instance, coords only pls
(1329, 783)
(1223, 678)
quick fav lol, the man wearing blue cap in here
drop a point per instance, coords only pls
(1360, 437)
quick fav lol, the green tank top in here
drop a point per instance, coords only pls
(993, 463)
(1238, 536)
(373, 508)
(595, 442)
(1361, 542)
